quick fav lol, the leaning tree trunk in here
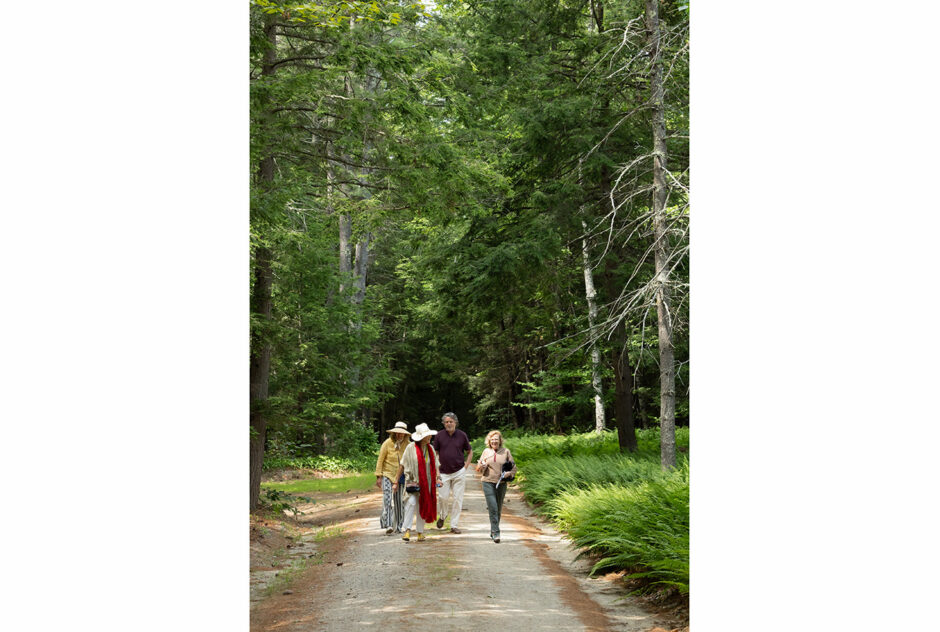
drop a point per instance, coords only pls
(667, 376)
(600, 422)
(261, 304)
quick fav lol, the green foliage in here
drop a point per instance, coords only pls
(545, 478)
(528, 447)
(327, 532)
(280, 501)
(332, 14)
(453, 141)
(356, 483)
(336, 465)
(623, 510)
(531, 447)
(643, 527)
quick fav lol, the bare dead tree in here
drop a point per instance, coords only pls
(645, 184)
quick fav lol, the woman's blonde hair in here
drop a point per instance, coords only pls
(486, 442)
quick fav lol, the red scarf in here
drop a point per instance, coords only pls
(427, 497)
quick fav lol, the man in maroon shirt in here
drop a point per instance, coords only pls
(451, 447)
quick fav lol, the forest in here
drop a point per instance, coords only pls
(479, 207)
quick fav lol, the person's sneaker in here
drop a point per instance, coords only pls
(496, 539)
(420, 537)
(440, 523)
(454, 530)
(407, 535)
(389, 531)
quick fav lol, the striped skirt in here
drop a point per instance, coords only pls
(392, 513)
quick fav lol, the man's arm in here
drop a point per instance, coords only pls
(469, 450)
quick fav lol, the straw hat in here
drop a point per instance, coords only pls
(422, 431)
(400, 428)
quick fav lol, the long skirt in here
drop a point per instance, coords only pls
(392, 514)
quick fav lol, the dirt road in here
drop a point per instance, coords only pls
(367, 580)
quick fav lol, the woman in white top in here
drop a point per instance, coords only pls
(421, 468)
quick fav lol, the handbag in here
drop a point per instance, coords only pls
(505, 475)
(412, 489)
(507, 467)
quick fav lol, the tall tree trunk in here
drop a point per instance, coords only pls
(667, 375)
(260, 369)
(261, 305)
(600, 422)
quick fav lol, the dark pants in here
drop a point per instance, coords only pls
(494, 504)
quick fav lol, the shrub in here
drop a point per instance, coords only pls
(544, 479)
(619, 508)
(644, 526)
(528, 447)
(334, 464)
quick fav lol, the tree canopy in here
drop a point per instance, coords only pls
(432, 188)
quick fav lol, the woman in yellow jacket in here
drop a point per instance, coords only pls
(385, 470)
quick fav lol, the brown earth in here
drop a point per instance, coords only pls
(332, 568)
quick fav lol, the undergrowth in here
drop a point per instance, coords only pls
(621, 510)
(279, 501)
(527, 447)
(334, 464)
(359, 482)
(544, 479)
(643, 527)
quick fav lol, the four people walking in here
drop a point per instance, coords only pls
(424, 481)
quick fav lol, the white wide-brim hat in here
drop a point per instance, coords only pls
(400, 428)
(422, 431)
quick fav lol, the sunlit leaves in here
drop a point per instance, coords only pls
(333, 14)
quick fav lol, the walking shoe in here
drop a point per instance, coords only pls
(389, 531)
(407, 536)
(440, 523)
(454, 530)
(496, 539)
(420, 537)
